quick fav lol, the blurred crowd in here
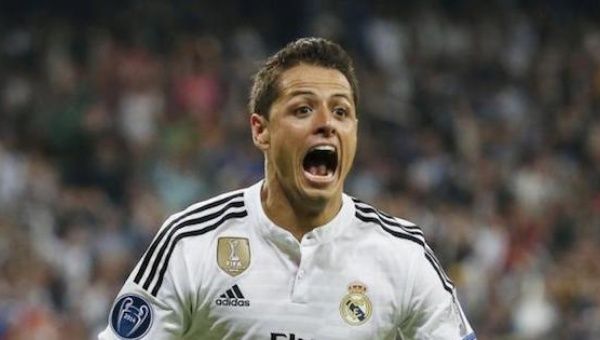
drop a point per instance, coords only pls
(478, 121)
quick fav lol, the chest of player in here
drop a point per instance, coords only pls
(282, 289)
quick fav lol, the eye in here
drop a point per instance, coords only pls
(303, 111)
(340, 112)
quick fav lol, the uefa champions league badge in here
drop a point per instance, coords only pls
(131, 317)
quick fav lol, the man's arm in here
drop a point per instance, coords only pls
(435, 311)
(143, 310)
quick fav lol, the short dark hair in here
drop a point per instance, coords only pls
(311, 51)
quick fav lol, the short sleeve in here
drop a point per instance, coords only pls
(435, 312)
(152, 305)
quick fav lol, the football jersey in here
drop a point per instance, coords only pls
(221, 269)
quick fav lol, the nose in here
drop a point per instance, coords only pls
(324, 124)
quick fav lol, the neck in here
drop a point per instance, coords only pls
(295, 214)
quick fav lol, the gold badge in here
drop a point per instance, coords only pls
(233, 254)
(355, 307)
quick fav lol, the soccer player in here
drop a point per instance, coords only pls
(292, 256)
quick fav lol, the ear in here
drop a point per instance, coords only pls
(260, 131)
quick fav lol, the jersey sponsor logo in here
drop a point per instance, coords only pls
(233, 254)
(233, 297)
(131, 317)
(284, 336)
(355, 307)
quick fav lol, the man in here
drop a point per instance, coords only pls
(292, 257)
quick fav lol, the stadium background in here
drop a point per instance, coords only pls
(479, 121)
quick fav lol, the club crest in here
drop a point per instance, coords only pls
(233, 254)
(355, 307)
(131, 317)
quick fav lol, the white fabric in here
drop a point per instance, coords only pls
(295, 289)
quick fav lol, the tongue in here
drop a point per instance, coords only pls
(318, 170)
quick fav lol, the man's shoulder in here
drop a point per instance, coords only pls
(217, 201)
(204, 217)
(208, 209)
(186, 232)
(392, 228)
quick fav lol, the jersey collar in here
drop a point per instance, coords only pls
(322, 234)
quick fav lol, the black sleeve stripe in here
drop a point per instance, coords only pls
(433, 258)
(392, 218)
(161, 275)
(157, 240)
(416, 238)
(186, 223)
(364, 207)
(414, 230)
(440, 274)
(401, 234)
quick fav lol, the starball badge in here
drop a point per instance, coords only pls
(131, 317)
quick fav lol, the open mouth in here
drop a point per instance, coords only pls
(320, 162)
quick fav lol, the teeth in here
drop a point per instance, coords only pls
(324, 148)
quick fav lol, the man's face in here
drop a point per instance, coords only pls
(310, 136)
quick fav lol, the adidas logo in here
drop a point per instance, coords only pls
(233, 297)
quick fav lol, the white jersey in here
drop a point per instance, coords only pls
(222, 270)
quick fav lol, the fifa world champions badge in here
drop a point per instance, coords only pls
(131, 317)
(233, 255)
(355, 307)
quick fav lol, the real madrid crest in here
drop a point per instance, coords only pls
(355, 307)
(233, 254)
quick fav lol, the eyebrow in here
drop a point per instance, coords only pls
(296, 93)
